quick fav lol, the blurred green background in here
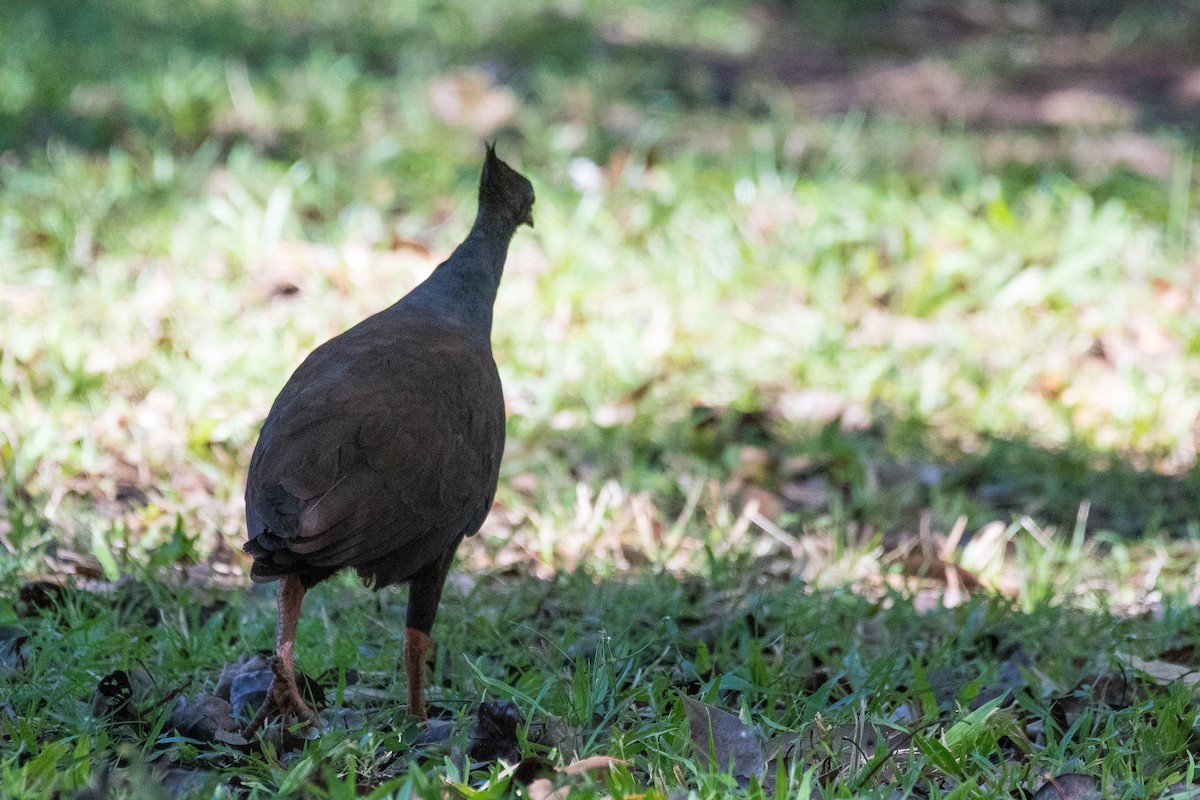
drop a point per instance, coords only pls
(867, 265)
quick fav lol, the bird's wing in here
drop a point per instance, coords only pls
(378, 439)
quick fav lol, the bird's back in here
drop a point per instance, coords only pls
(381, 452)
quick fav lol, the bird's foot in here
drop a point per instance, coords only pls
(284, 697)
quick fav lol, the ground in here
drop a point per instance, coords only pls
(851, 372)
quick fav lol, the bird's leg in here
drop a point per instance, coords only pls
(284, 694)
(287, 693)
(416, 646)
(424, 593)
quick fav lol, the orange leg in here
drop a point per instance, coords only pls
(416, 646)
(284, 694)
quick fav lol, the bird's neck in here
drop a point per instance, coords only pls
(462, 290)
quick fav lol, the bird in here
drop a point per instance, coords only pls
(382, 451)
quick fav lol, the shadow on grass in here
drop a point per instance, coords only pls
(81, 72)
(884, 476)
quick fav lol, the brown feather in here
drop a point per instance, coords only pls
(358, 457)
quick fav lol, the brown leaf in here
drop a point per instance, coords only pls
(207, 718)
(1113, 690)
(1071, 786)
(38, 596)
(723, 741)
(920, 564)
(1183, 654)
(593, 764)
(543, 789)
(1164, 672)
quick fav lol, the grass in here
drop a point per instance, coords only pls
(824, 418)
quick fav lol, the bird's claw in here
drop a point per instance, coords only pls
(284, 697)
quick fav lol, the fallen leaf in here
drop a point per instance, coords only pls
(1164, 672)
(113, 697)
(838, 748)
(434, 732)
(207, 718)
(931, 566)
(14, 653)
(397, 242)
(1115, 690)
(248, 689)
(246, 682)
(494, 736)
(1182, 791)
(1184, 654)
(722, 741)
(38, 596)
(543, 789)
(593, 764)
(556, 733)
(1071, 786)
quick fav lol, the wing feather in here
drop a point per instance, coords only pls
(384, 440)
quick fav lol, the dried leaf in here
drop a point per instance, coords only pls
(723, 741)
(13, 650)
(1182, 791)
(931, 566)
(248, 690)
(245, 683)
(207, 718)
(543, 789)
(397, 242)
(593, 764)
(1184, 654)
(1071, 786)
(1164, 672)
(494, 736)
(555, 732)
(839, 748)
(38, 596)
(113, 697)
(1115, 690)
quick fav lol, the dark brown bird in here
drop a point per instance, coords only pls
(383, 449)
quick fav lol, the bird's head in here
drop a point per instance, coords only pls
(504, 191)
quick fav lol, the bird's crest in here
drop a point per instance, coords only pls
(505, 191)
